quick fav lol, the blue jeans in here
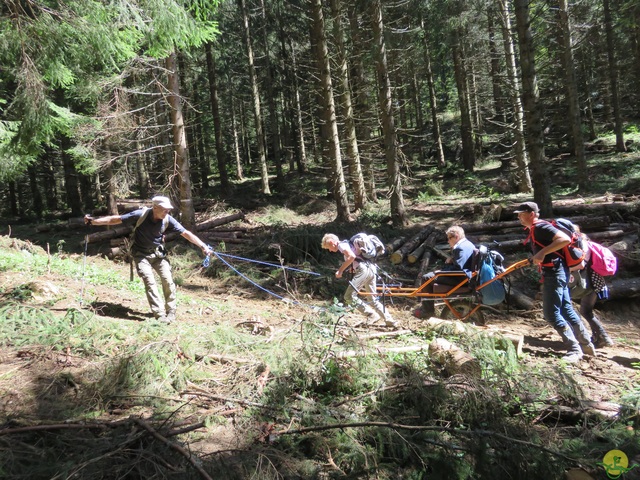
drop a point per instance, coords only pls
(556, 299)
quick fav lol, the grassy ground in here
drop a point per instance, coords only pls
(266, 375)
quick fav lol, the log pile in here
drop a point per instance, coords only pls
(424, 248)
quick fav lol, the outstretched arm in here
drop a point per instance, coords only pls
(197, 242)
(108, 220)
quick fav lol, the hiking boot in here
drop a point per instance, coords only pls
(574, 351)
(582, 337)
(602, 341)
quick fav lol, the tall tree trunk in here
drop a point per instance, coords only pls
(13, 199)
(286, 95)
(50, 186)
(466, 124)
(202, 163)
(181, 159)
(36, 196)
(302, 151)
(392, 154)
(613, 77)
(70, 179)
(636, 52)
(474, 106)
(361, 100)
(521, 175)
(332, 140)
(236, 140)
(532, 109)
(271, 101)
(353, 154)
(257, 110)
(433, 101)
(495, 68)
(142, 174)
(415, 97)
(110, 181)
(215, 113)
(575, 119)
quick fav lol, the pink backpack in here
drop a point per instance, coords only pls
(603, 261)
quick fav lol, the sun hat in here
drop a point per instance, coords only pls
(161, 201)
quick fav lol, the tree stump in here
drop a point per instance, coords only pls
(454, 360)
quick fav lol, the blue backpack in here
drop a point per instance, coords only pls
(489, 264)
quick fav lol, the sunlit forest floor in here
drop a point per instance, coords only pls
(79, 344)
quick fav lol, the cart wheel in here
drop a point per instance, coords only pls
(463, 307)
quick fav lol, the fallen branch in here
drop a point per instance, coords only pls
(175, 446)
(422, 428)
(379, 351)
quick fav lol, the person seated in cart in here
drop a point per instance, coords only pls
(457, 267)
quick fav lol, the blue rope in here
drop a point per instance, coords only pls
(207, 262)
(219, 255)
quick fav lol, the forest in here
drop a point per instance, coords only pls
(269, 123)
(108, 100)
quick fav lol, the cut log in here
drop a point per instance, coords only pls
(516, 340)
(219, 221)
(620, 288)
(426, 258)
(520, 300)
(217, 239)
(117, 231)
(626, 252)
(379, 351)
(454, 360)
(417, 253)
(607, 235)
(395, 244)
(398, 255)
(450, 327)
(587, 223)
(117, 242)
(614, 209)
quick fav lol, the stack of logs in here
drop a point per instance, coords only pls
(118, 236)
(508, 238)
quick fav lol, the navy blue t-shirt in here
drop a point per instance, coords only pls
(149, 234)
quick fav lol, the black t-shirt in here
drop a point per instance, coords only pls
(543, 233)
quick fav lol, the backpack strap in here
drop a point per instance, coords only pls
(141, 219)
(557, 252)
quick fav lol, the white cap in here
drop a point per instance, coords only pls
(161, 201)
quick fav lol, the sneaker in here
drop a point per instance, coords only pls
(373, 317)
(391, 324)
(171, 317)
(572, 357)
